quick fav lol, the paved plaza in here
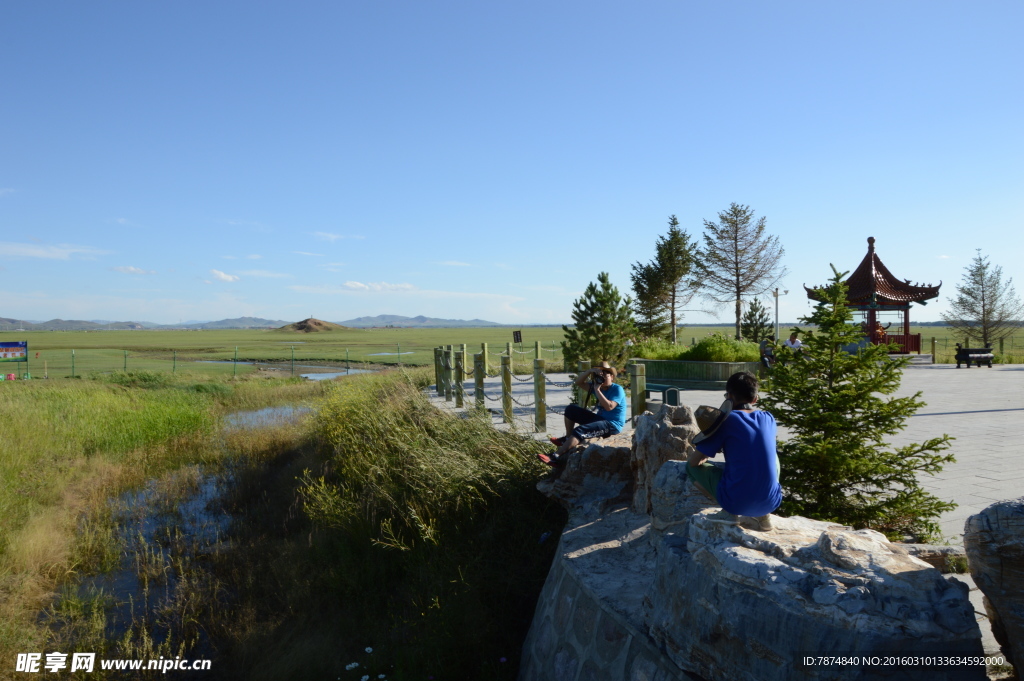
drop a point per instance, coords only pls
(982, 408)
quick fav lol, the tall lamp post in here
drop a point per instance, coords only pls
(777, 294)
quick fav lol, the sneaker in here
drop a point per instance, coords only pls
(551, 460)
(723, 517)
(557, 441)
(763, 523)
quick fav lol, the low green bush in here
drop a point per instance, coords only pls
(716, 347)
(720, 348)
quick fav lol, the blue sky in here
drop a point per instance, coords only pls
(176, 161)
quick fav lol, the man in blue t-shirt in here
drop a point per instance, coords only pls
(748, 485)
(609, 419)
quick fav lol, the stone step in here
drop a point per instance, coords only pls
(916, 359)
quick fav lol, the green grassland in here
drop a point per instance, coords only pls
(104, 351)
(206, 351)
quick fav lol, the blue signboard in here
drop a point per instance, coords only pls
(14, 352)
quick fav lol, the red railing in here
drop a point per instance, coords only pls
(911, 343)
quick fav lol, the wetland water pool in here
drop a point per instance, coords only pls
(150, 586)
(327, 373)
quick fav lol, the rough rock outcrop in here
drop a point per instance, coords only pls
(668, 593)
(994, 540)
(594, 478)
(731, 603)
(673, 501)
(659, 437)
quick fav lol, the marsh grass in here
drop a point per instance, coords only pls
(396, 527)
(70, 446)
(374, 521)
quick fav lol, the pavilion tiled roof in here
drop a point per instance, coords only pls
(873, 282)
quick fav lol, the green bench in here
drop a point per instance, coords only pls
(669, 393)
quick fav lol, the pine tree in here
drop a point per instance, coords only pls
(649, 303)
(602, 325)
(985, 308)
(835, 465)
(756, 324)
(665, 286)
(738, 258)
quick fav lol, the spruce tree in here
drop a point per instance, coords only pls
(755, 324)
(836, 464)
(665, 286)
(649, 303)
(602, 325)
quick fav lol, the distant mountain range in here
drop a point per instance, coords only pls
(384, 320)
(412, 322)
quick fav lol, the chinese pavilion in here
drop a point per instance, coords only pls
(875, 293)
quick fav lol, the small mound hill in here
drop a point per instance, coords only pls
(312, 325)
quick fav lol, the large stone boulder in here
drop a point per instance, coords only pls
(674, 499)
(659, 437)
(994, 540)
(730, 603)
(594, 478)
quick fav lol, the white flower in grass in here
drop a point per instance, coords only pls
(369, 650)
(350, 667)
(366, 677)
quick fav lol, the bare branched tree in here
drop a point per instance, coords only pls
(985, 308)
(738, 258)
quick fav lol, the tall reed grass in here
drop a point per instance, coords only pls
(428, 545)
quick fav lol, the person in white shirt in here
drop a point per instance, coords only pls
(793, 343)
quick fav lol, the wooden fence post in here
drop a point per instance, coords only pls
(934, 349)
(638, 389)
(506, 387)
(479, 372)
(460, 376)
(462, 347)
(437, 371)
(584, 365)
(483, 352)
(540, 405)
(536, 349)
(448, 374)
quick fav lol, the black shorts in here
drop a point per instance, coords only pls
(590, 424)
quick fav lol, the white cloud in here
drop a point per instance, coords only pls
(132, 270)
(377, 286)
(265, 274)
(328, 236)
(253, 257)
(57, 252)
(454, 263)
(945, 257)
(229, 257)
(314, 255)
(221, 276)
(4, 191)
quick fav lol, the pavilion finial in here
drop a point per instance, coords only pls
(871, 244)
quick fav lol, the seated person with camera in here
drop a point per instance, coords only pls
(582, 424)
